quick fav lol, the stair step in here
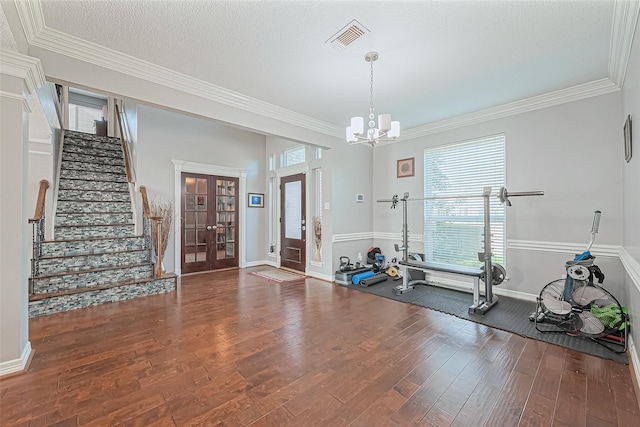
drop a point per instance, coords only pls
(72, 264)
(92, 141)
(94, 218)
(93, 196)
(71, 232)
(41, 306)
(81, 184)
(89, 151)
(94, 167)
(93, 176)
(69, 206)
(59, 248)
(93, 159)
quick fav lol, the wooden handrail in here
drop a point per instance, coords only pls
(42, 193)
(145, 202)
(125, 149)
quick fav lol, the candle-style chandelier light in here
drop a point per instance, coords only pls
(386, 130)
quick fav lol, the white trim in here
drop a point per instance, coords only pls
(633, 355)
(38, 35)
(315, 264)
(16, 365)
(321, 276)
(623, 27)
(611, 251)
(16, 97)
(398, 236)
(445, 281)
(575, 93)
(24, 67)
(271, 263)
(351, 237)
(255, 263)
(632, 267)
(203, 168)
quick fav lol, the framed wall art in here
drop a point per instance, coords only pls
(627, 139)
(405, 167)
(256, 200)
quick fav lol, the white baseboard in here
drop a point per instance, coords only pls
(320, 276)
(255, 263)
(16, 365)
(633, 355)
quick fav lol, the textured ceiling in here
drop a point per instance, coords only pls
(437, 59)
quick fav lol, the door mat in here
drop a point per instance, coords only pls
(279, 276)
(509, 314)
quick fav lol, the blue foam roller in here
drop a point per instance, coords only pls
(357, 277)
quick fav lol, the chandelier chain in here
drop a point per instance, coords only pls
(371, 88)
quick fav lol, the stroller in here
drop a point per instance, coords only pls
(580, 306)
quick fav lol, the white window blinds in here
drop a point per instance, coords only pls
(453, 228)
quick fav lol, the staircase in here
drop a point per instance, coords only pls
(95, 256)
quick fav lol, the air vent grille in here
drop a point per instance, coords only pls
(347, 35)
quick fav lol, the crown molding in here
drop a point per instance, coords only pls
(39, 35)
(562, 96)
(16, 97)
(623, 27)
(24, 67)
(625, 17)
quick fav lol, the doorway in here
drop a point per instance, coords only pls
(209, 234)
(293, 222)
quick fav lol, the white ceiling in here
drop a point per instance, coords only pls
(438, 59)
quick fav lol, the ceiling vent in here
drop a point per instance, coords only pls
(347, 35)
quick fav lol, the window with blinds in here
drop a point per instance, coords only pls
(453, 228)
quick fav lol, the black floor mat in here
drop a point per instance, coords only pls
(510, 314)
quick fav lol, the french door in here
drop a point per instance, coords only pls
(209, 209)
(293, 222)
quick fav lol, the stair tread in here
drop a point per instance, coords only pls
(39, 297)
(94, 238)
(91, 254)
(91, 270)
(97, 225)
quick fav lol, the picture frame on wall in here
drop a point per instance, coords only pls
(405, 167)
(627, 139)
(256, 200)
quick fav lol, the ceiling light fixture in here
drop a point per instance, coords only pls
(386, 130)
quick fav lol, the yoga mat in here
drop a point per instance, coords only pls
(378, 278)
(357, 277)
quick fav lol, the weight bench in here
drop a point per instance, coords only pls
(478, 307)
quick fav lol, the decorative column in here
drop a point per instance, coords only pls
(20, 76)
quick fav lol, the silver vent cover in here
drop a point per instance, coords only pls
(347, 35)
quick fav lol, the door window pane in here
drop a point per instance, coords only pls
(293, 210)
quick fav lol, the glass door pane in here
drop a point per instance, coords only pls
(195, 214)
(226, 214)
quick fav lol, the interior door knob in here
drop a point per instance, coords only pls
(211, 227)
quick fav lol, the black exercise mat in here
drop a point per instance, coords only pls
(510, 314)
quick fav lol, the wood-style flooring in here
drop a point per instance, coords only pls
(233, 349)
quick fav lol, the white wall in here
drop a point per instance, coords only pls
(571, 152)
(631, 177)
(163, 136)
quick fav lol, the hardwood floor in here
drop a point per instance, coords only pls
(233, 349)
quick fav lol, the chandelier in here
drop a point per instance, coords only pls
(386, 130)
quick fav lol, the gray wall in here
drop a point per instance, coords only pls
(163, 136)
(571, 151)
(631, 174)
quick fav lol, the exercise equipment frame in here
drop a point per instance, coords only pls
(480, 306)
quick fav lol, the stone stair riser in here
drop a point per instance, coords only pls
(74, 134)
(93, 176)
(85, 247)
(87, 299)
(98, 144)
(88, 207)
(77, 263)
(92, 167)
(94, 219)
(71, 233)
(87, 151)
(93, 196)
(90, 279)
(102, 160)
(80, 184)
